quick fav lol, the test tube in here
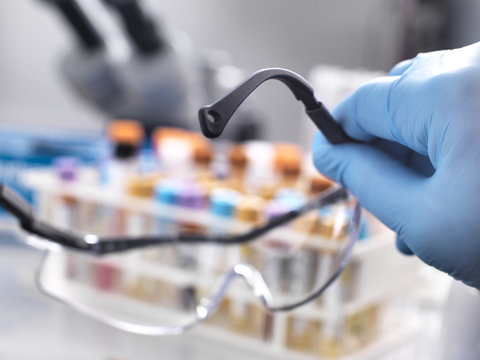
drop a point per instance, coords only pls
(332, 226)
(303, 260)
(126, 137)
(302, 332)
(143, 187)
(166, 193)
(223, 203)
(243, 315)
(214, 257)
(202, 156)
(288, 163)
(137, 223)
(65, 211)
(174, 148)
(249, 213)
(70, 213)
(191, 196)
(238, 165)
(275, 252)
(260, 172)
(174, 194)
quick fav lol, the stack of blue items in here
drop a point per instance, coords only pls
(22, 149)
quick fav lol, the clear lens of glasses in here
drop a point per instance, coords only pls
(165, 289)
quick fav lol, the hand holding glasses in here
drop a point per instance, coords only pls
(282, 268)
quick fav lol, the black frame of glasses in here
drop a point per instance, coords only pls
(213, 119)
(95, 245)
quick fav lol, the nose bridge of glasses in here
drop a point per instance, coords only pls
(255, 281)
(208, 305)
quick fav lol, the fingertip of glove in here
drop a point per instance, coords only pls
(403, 248)
(401, 67)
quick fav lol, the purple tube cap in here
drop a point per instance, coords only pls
(276, 208)
(67, 167)
(191, 195)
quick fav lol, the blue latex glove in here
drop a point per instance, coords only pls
(426, 112)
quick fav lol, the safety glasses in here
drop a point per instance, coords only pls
(163, 284)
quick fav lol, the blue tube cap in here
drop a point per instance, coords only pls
(167, 192)
(223, 202)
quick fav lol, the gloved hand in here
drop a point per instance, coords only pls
(426, 112)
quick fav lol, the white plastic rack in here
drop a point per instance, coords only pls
(351, 327)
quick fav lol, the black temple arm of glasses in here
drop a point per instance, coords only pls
(328, 197)
(18, 207)
(15, 205)
(213, 118)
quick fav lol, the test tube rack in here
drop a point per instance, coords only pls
(355, 304)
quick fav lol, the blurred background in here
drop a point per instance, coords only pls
(69, 67)
(366, 34)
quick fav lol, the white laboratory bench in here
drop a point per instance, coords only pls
(33, 326)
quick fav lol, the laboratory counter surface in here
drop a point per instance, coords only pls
(33, 326)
